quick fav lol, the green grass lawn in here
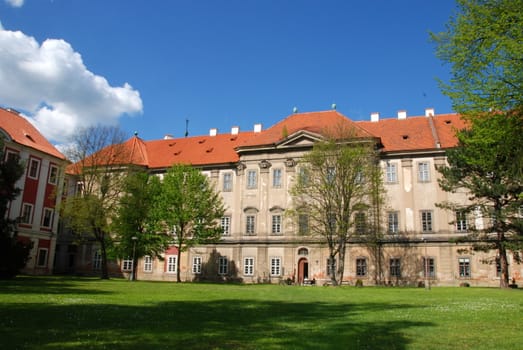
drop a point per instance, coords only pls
(82, 313)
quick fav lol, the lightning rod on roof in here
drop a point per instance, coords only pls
(295, 110)
(186, 127)
(333, 106)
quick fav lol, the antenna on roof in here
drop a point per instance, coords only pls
(333, 106)
(186, 127)
(295, 110)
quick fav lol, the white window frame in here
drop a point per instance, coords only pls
(391, 173)
(427, 221)
(27, 215)
(250, 224)
(423, 172)
(248, 266)
(430, 268)
(303, 224)
(252, 179)
(393, 225)
(171, 263)
(276, 266)
(461, 224)
(277, 177)
(196, 265)
(223, 265)
(53, 174)
(127, 265)
(31, 168)
(225, 223)
(48, 215)
(361, 267)
(227, 182)
(147, 263)
(464, 267)
(276, 224)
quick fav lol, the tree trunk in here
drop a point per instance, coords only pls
(103, 250)
(503, 261)
(178, 277)
(341, 263)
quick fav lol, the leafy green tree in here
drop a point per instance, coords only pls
(190, 208)
(100, 169)
(483, 43)
(13, 252)
(339, 194)
(135, 228)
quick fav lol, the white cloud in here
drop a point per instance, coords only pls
(51, 83)
(15, 3)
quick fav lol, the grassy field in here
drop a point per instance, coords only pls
(75, 313)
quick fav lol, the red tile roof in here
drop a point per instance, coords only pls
(410, 134)
(21, 131)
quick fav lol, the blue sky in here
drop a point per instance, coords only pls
(151, 64)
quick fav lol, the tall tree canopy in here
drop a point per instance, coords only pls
(190, 208)
(483, 44)
(337, 196)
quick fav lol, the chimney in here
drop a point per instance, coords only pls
(213, 132)
(402, 114)
(429, 112)
(168, 137)
(257, 127)
(235, 130)
(374, 117)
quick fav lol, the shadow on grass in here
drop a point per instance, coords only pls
(217, 324)
(48, 285)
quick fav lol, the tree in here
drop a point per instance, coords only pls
(134, 226)
(190, 208)
(483, 45)
(101, 164)
(338, 193)
(13, 252)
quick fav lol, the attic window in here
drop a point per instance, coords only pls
(234, 138)
(405, 137)
(172, 144)
(448, 122)
(201, 141)
(177, 153)
(29, 137)
(209, 150)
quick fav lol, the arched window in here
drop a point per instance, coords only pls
(303, 251)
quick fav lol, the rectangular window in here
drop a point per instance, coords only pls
(426, 221)
(42, 257)
(276, 178)
(303, 176)
(53, 175)
(331, 266)
(34, 167)
(423, 172)
(360, 178)
(395, 267)
(227, 182)
(361, 267)
(27, 214)
(97, 261)
(498, 267)
(127, 265)
(360, 223)
(429, 267)
(391, 173)
(248, 266)
(464, 267)
(303, 224)
(250, 224)
(196, 265)
(226, 225)
(147, 264)
(171, 263)
(393, 225)
(275, 266)
(331, 174)
(252, 179)
(47, 220)
(276, 224)
(461, 221)
(223, 265)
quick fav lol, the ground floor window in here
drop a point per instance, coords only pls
(97, 260)
(42, 257)
(127, 264)
(223, 265)
(197, 265)
(361, 267)
(147, 264)
(171, 263)
(331, 266)
(395, 267)
(276, 266)
(248, 266)
(464, 267)
(429, 267)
